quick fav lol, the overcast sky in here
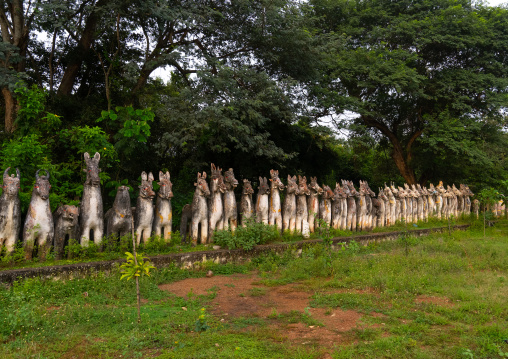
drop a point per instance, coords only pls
(496, 2)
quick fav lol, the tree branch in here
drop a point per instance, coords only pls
(17, 22)
(4, 26)
(412, 139)
(147, 49)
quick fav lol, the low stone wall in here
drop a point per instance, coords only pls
(189, 259)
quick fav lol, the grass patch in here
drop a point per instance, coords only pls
(441, 296)
(257, 292)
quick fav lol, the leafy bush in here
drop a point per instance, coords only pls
(75, 250)
(246, 237)
(113, 244)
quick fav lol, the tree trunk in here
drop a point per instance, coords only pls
(405, 170)
(80, 52)
(401, 161)
(10, 110)
(140, 84)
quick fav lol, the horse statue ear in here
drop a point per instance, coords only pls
(204, 175)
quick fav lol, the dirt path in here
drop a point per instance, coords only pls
(242, 295)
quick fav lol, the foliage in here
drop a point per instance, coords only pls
(489, 196)
(134, 123)
(246, 237)
(130, 269)
(402, 72)
(201, 325)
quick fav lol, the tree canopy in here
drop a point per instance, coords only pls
(420, 86)
(430, 77)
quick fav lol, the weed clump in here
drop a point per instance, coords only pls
(246, 237)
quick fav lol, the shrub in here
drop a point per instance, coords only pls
(246, 237)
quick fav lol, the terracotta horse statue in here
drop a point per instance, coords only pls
(275, 211)
(230, 210)
(313, 203)
(215, 207)
(289, 208)
(199, 209)
(246, 205)
(301, 204)
(262, 207)
(325, 206)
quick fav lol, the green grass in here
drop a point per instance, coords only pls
(391, 284)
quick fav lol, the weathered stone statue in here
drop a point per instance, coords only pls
(144, 208)
(391, 210)
(351, 205)
(301, 204)
(370, 217)
(403, 203)
(469, 193)
(230, 208)
(92, 212)
(119, 217)
(246, 204)
(200, 210)
(325, 206)
(313, 203)
(398, 204)
(379, 204)
(446, 203)
(39, 228)
(262, 206)
(439, 199)
(457, 201)
(275, 211)
(342, 196)
(461, 197)
(415, 195)
(215, 206)
(409, 203)
(289, 209)
(361, 209)
(337, 206)
(10, 211)
(476, 208)
(66, 224)
(424, 192)
(432, 200)
(420, 202)
(163, 219)
(449, 201)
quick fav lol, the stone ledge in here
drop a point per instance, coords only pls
(188, 259)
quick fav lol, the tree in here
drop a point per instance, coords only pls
(15, 22)
(427, 74)
(137, 37)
